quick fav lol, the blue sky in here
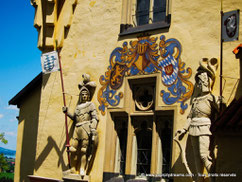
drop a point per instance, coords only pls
(19, 60)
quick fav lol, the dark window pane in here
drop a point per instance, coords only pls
(121, 128)
(166, 138)
(159, 10)
(123, 142)
(142, 12)
(144, 142)
(165, 128)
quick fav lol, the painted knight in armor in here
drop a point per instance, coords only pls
(85, 139)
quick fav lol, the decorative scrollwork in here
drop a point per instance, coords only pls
(143, 58)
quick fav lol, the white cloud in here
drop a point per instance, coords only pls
(13, 120)
(12, 107)
(1, 116)
(10, 133)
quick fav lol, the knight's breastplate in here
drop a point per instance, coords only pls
(82, 113)
(201, 108)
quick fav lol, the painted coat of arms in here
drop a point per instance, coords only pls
(50, 62)
(145, 57)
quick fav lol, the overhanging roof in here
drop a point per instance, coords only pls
(26, 90)
(230, 118)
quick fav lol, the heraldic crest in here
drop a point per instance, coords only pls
(146, 57)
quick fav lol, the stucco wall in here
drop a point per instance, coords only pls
(27, 135)
(86, 50)
(92, 36)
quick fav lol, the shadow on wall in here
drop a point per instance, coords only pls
(51, 144)
(238, 93)
(30, 114)
(228, 161)
(60, 153)
(179, 167)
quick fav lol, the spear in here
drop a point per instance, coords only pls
(64, 101)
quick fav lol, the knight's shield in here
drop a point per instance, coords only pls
(169, 70)
(117, 75)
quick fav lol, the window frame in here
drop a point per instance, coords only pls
(117, 120)
(128, 24)
(129, 111)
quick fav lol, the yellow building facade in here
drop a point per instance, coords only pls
(144, 66)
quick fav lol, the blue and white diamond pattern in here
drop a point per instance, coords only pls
(168, 62)
(50, 62)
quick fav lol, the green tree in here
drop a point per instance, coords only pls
(3, 162)
(2, 139)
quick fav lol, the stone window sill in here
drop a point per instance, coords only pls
(145, 28)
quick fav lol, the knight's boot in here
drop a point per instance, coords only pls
(72, 149)
(82, 172)
(69, 171)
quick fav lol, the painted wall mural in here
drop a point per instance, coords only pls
(145, 57)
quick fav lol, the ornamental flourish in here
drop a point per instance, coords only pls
(145, 57)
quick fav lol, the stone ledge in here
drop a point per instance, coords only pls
(75, 178)
(33, 178)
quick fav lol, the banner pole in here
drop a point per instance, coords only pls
(64, 101)
(221, 55)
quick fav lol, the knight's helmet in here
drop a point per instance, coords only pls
(210, 67)
(87, 86)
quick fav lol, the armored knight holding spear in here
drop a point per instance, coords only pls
(85, 139)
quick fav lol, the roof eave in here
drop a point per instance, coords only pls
(26, 90)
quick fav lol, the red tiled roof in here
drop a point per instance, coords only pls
(230, 118)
